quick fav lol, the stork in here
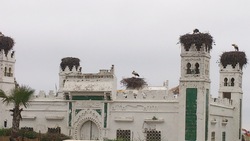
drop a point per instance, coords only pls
(195, 31)
(235, 47)
(135, 74)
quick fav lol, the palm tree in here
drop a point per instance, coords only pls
(19, 96)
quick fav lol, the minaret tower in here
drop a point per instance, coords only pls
(69, 66)
(7, 75)
(194, 86)
(231, 64)
(7, 62)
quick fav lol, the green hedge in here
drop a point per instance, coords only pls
(5, 132)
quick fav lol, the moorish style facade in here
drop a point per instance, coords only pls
(88, 106)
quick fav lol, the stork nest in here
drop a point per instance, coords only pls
(70, 62)
(198, 39)
(133, 83)
(6, 43)
(233, 58)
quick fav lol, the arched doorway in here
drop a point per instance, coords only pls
(89, 131)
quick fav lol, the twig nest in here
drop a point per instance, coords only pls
(133, 83)
(198, 39)
(70, 62)
(6, 43)
(232, 58)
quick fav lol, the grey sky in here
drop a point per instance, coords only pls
(138, 35)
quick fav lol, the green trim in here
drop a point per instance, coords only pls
(77, 111)
(105, 114)
(70, 113)
(99, 111)
(191, 117)
(207, 113)
(240, 118)
(67, 97)
(108, 97)
(87, 97)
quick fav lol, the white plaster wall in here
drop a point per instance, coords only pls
(136, 116)
(42, 115)
(218, 124)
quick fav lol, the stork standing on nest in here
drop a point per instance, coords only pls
(196, 31)
(135, 74)
(235, 47)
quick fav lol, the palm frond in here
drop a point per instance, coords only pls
(5, 98)
(22, 95)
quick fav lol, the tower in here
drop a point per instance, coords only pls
(231, 64)
(7, 62)
(194, 86)
(69, 66)
(7, 81)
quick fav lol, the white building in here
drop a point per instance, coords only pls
(89, 106)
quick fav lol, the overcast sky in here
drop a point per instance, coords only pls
(138, 35)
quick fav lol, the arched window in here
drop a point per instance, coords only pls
(5, 71)
(10, 74)
(188, 68)
(213, 136)
(64, 82)
(232, 82)
(197, 70)
(225, 81)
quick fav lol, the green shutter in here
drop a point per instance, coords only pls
(70, 113)
(191, 118)
(105, 114)
(207, 113)
(240, 118)
(87, 97)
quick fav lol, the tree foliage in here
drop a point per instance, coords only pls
(19, 96)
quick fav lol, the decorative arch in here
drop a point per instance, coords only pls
(10, 74)
(5, 71)
(197, 69)
(85, 116)
(232, 81)
(225, 81)
(188, 68)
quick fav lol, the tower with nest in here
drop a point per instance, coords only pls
(231, 65)
(194, 86)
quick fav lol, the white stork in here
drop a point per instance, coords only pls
(235, 47)
(135, 74)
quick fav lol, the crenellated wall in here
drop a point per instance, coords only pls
(146, 94)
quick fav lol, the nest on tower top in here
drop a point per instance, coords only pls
(198, 39)
(6, 43)
(133, 83)
(233, 58)
(70, 62)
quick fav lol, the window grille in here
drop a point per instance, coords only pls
(153, 135)
(124, 135)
